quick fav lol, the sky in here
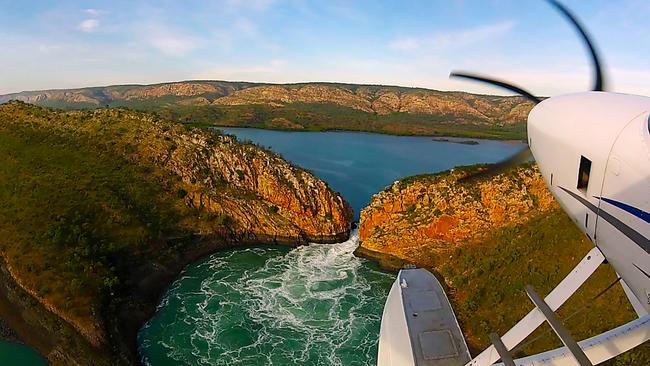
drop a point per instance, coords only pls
(65, 44)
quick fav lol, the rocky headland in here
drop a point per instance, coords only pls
(439, 213)
(101, 209)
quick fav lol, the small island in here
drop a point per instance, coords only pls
(463, 142)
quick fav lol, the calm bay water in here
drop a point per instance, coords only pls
(314, 305)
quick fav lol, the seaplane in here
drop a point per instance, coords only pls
(593, 150)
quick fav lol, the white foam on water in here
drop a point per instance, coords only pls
(308, 306)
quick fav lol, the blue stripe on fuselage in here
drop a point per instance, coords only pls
(632, 234)
(645, 216)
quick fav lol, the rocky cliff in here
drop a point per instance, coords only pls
(102, 208)
(387, 109)
(260, 193)
(486, 239)
(439, 213)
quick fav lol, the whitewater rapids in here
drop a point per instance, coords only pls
(312, 305)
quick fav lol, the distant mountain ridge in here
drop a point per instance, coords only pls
(306, 106)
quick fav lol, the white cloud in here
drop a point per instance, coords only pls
(174, 45)
(537, 81)
(552, 81)
(452, 39)
(223, 40)
(243, 32)
(93, 12)
(88, 25)
(48, 48)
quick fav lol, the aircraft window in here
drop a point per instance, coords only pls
(583, 173)
(649, 123)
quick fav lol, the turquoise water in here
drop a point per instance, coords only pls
(314, 305)
(14, 354)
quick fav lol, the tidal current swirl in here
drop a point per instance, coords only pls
(312, 305)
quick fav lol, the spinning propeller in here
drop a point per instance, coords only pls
(525, 153)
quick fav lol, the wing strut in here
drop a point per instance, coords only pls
(636, 304)
(558, 327)
(599, 348)
(506, 357)
(535, 318)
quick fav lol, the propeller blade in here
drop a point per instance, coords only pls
(599, 84)
(499, 83)
(520, 157)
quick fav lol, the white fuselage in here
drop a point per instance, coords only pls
(593, 150)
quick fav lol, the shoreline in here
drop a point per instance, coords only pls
(433, 136)
(13, 301)
(386, 262)
(7, 334)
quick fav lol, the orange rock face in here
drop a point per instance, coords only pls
(262, 193)
(176, 89)
(280, 95)
(437, 212)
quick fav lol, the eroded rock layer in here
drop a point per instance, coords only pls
(438, 212)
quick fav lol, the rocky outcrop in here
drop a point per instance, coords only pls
(70, 97)
(187, 89)
(260, 193)
(439, 213)
(198, 101)
(282, 95)
(291, 204)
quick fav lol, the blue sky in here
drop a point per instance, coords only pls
(55, 44)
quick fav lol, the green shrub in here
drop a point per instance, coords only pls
(224, 220)
(181, 193)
